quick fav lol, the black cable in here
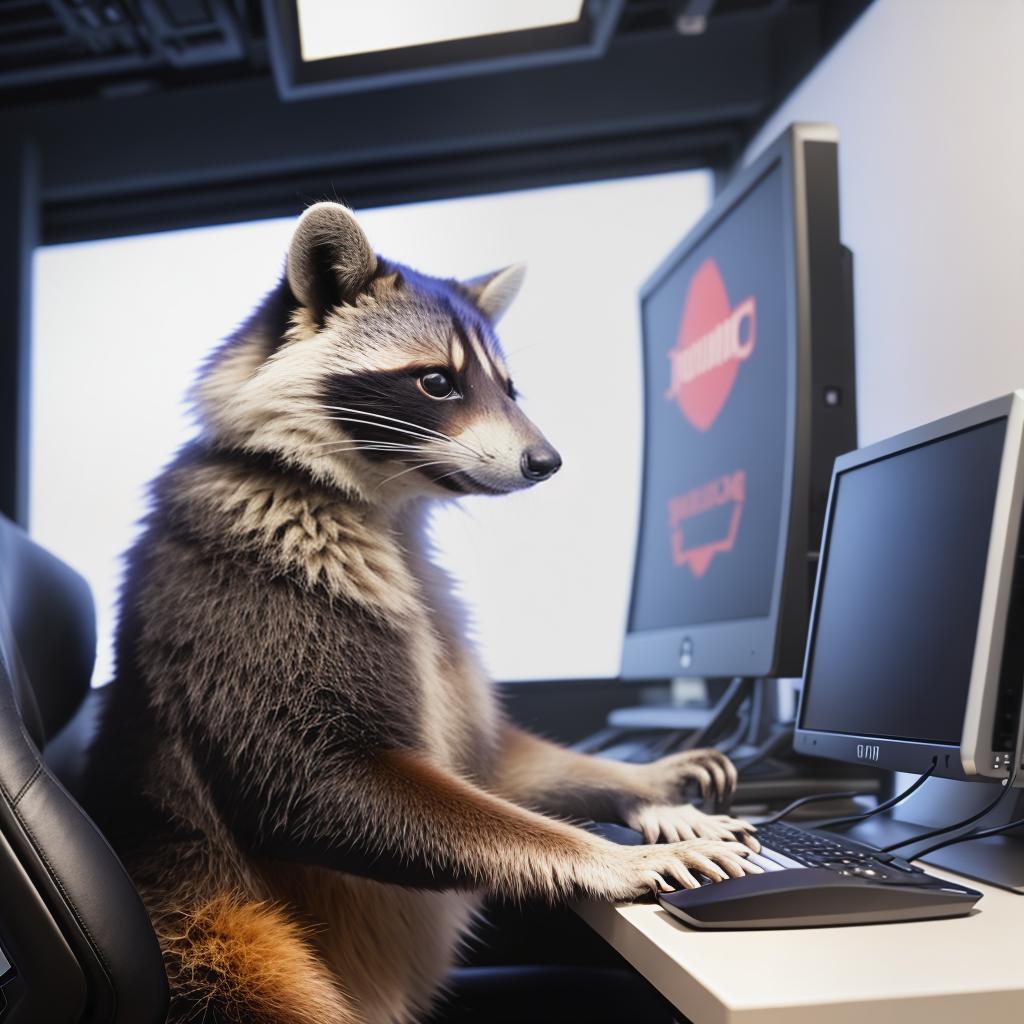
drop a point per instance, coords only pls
(778, 739)
(878, 808)
(734, 739)
(789, 808)
(725, 709)
(1007, 786)
(755, 712)
(666, 744)
(980, 834)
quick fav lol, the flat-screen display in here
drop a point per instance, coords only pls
(717, 381)
(900, 590)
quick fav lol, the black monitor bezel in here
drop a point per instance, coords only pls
(751, 647)
(902, 755)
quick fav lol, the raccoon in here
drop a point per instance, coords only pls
(302, 764)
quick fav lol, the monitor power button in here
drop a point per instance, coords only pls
(686, 653)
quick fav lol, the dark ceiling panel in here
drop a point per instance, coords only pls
(178, 151)
(176, 138)
(54, 45)
(380, 184)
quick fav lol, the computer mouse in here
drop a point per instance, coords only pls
(816, 897)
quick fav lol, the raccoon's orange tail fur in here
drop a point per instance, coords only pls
(234, 961)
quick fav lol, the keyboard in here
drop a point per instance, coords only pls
(815, 879)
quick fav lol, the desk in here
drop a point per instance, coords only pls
(968, 969)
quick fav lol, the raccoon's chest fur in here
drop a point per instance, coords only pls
(459, 714)
(378, 563)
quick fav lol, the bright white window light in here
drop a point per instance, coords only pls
(553, 564)
(342, 28)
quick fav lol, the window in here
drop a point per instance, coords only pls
(121, 325)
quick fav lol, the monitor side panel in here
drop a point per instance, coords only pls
(833, 378)
(990, 740)
(892, 754)
(825, 396)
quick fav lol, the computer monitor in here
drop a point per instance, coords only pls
(749, 386)
(916, 644)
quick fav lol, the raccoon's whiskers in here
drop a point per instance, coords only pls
(412, 469)
(388, 426)
(398, 441)
(398, 446)
(453, 458)
(431, 448)
(481, 453)
(342, 449)
(396, 449)
(393, 419)
(452, 473)
(390, 419)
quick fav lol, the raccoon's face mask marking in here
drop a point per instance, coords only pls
(453, 425)
(414, 382)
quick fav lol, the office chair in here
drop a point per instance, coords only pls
(72, 927)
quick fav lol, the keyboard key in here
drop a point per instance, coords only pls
(780, 858)
(763, 862)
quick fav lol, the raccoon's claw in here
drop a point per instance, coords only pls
(657, 883)
(713, 772)
(655, 868)
(672, 823)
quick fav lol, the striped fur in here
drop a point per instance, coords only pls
(302, 764)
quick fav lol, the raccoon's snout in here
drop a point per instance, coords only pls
(539, 462)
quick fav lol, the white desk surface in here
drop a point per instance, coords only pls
(967, 969)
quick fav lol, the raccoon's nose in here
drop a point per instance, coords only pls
(540, 462)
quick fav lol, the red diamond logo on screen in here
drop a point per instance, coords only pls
(713, 339)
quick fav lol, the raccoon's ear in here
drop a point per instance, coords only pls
(329, 259)
(493, 293)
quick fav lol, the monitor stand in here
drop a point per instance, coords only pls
(742, 723)
(693, 726)
(998, 860)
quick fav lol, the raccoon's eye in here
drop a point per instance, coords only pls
(437, 384)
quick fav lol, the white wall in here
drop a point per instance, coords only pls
(928, 96)
(121, 325)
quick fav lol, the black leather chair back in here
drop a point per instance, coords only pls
(76, 945)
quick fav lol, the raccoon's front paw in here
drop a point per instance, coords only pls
(663, 868)
(674, 823)
(714, 774)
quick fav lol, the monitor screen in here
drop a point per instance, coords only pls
(900, 590)
(717, 381)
